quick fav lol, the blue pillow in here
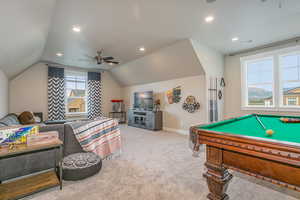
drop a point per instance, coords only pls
(10, 120)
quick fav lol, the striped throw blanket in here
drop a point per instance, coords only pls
(101, 136)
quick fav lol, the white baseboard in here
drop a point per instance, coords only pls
(180, 131)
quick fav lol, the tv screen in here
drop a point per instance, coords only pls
(143, 100)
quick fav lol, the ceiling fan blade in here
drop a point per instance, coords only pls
(108, 58)
(113, 62)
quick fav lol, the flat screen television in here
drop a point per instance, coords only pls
(143, 100)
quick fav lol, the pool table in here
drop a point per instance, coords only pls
(242, 144)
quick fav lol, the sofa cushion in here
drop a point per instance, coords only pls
(10, 120)
(2, 125)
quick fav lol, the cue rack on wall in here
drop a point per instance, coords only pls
(215, 90)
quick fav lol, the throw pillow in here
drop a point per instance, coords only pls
(26, 118)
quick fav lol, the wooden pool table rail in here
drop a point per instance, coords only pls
(274, 161)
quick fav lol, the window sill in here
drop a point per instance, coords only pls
(76, 116)
(272, 109)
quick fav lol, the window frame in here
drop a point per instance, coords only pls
(289, 98)
(277, 84)
(281, 96)
(85, 98)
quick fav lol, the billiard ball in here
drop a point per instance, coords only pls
(269, 132)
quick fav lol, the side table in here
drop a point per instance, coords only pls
(22, 187)
(121, 116)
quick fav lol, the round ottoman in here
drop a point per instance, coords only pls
(80, 165)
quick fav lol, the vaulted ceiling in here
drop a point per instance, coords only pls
(24, 27)
(34, 30)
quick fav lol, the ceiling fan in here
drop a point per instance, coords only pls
(100, 59)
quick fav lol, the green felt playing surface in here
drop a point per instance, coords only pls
(249, 126)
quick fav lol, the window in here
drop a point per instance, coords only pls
(259, 82)
(271, 81)
(291, 101)
(76, 92)
(290, 75)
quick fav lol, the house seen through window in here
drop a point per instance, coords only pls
(290, 68)
(76, 92)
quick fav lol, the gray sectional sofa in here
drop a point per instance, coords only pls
(35, 162)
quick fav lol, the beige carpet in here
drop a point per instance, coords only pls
(158, 166)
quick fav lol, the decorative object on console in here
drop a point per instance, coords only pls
(174, 95)
(95, 95)
(190, 104)
(157, 105)
(56, 93)
(26, 118)
(118, 105)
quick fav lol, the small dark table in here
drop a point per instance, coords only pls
(26, 186)
(118, 115)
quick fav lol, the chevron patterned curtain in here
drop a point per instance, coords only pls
(56, 93)
(94, 95)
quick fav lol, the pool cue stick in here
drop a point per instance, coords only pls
(216, 99)
(260, 122)
(210, 101)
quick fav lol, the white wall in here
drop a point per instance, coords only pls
(212, 62)
(111, 89)
(233, 85)
(174, 117)
(29, 90)
(3, 94)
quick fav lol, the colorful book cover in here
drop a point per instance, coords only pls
(17, 135)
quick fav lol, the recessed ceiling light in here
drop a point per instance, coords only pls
(142, 49)
(59, 54)
(234, 39)
(76, 29)
(209, 19)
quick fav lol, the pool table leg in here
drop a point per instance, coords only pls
(217, 176)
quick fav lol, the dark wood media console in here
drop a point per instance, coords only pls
(145, 119)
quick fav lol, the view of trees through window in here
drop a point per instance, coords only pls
(76, 94)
